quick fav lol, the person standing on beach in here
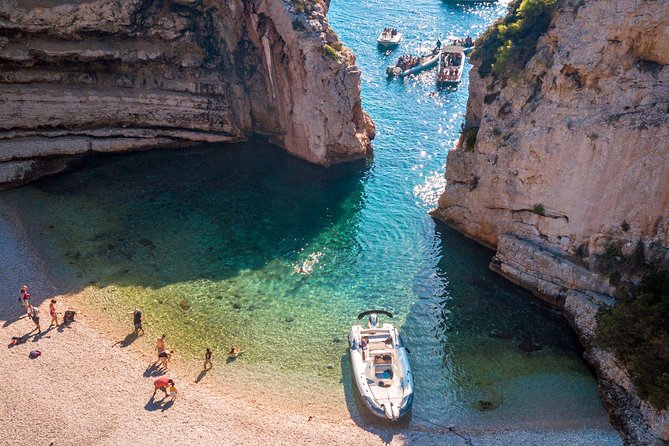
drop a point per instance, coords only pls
(24, 298)
(137, 320)
(164, 357)
(53, 313)
(160, 344)
(33, 312)
(172, 391)
(207, 359)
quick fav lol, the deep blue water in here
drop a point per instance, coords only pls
(207, 241)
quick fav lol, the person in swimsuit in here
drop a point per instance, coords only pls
(235, 351)
(164, 357)
(160, 343)
(53, 313)
(137, 320)
(207, 359)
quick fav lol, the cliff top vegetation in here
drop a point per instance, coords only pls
(504, 48)
(636, 328)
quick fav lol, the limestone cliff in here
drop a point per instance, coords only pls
(81, 76)
(571, 158)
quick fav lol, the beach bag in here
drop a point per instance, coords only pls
(68, 316)
(34, 354)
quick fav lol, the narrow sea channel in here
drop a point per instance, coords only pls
(206, 241)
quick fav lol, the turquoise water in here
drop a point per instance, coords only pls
(207, 242)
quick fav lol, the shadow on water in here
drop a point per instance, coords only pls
(490, 352)
(156, 218)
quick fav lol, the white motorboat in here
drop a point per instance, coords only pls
(381, 367)
(407, 65)
(451, 65)
(467, 43)
(389, 38)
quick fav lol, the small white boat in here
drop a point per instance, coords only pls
(467, 43)
(381, 367)
(451, 66)
(407, 65)
(389, 38)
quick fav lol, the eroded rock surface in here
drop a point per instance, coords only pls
(572, 158)
(82, 76)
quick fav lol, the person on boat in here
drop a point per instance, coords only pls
(364, 341)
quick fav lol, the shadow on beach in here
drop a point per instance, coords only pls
(153, 405)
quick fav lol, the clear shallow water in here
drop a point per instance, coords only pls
(206, 241)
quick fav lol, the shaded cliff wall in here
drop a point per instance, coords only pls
(572, 157)
(110, 75)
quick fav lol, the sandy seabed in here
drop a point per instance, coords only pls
(88, 389)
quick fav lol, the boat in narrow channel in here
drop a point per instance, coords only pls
(451, 65)
(381, 367)
(389, 38)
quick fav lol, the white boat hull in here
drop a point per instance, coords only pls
(381, 371)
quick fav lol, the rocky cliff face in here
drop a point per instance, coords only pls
(81, 76)
(572, 158)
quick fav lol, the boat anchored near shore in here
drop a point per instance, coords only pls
(407, 65)
(381, 367)
(451, 65)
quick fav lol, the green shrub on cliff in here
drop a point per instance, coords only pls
(331, 53)
(636, 328)
(505, 47)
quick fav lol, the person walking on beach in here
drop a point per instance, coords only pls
(137, 320)
(53, 313)
(33, 312)
(207, 359)
(162, 383)
(160, 344)
(24, 298)
(164, 357)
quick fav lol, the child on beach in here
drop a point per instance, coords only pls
(137, 320)
(24, 298)
(53, 313)
(207, 359)
(172, 392)
(33, 312)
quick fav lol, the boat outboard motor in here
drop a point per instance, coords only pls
(392, 411)
(373, 321)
